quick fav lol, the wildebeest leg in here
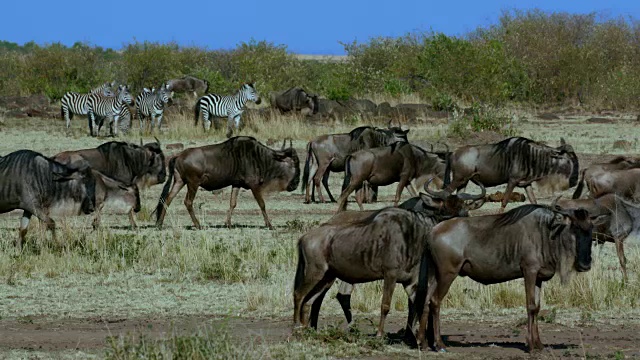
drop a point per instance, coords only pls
(410, 289)
(24, 224)
(258, 195)
(342, 200)
(507, 195)
(325, 182)
(532, 293)
(315, 307)
(315, 280)
(177, 185)
(441, 289)
(412, 189)
(621, 257)
(96, 218)
(530, 195)
(232, 204)
(132, 220)
(401, 185)
(360, 196)
(323, 168)
(344, 298)
(388, 285)
(192, 189)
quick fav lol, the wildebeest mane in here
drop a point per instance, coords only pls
(355, 133)
(528, 156)
(512, 216)
(121, 156)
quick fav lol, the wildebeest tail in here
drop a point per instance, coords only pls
(578, 192)
(423, 282)
(447, 172)
(196, 112)
(300, 269)
(166, 188)
(347, 172)
(305, 173)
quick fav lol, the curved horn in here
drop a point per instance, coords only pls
(442, 194)
(284, 143)
(445, 145)
(469, 197)
(290, 143)
(141, 141)
(158, 141)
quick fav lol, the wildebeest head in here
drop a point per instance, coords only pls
(448, 205)
(249, 90)
(394, 134)
(289, 156)
(313, 103)
(572, 167)
(85, 176)
(575, 227)
(156, 169)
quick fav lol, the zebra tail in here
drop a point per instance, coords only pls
(578, 192)
(347, 172)
(305, 174)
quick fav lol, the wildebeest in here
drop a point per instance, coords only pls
(532, 241)
(587, 174)
(625, 183)
(240, 162)
(613, 220)
(43, 187)
(515, 161)
(356, 248)
(188, 84)
(294, 99)
(126, 162)
(114, 194)
(327, 153)
(380, 166)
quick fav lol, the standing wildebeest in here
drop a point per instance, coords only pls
(399, 162)
(587, 175)
(533, 242)
(327, 153)
(188, 84)
(294, 99)
(613, 220)
(515, 161)
(240, 162)
(44, 188)
(625, 183)
(357, 248)
(115, 194)
(129, 163)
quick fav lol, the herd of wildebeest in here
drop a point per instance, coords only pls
(423, 243)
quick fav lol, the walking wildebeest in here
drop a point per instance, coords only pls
(240, 162)
(294, 99)
(119, 196)
(357, 248)
(130, 163)
(43, 187)
(587, 174)
(327, 153)
(188, 84)
(515, 161)
(380, 166)
(532, 241)
(613, 220)
(625, 183)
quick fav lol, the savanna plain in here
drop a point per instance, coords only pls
(227, 293)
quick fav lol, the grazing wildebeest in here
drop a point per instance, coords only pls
(383, 244)
(43, 187)
(613, 220)
(240, 162)
(188, 84)
(587, 174)
(326, 154)
(532, 241)
(515, 161)
(380, 166)
(126, 162)
(114, 194)
(625, 183)
(294, 99)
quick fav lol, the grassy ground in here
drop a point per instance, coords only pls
(247, 271)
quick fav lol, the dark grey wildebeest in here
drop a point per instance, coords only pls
(45, 188)
(588, 174)
(613, 217)
(126, 162)
(294, 99)
(240, 162)
(380, 166)
(188, 84)
(116, 196)
(361, 247)
(327, 153)
(515, 161)
(533, 242)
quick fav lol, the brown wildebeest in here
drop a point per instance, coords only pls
(294, 99)
(625, 183)
(587, 174)
(613, 220)
(240, 162)
(515, 161)
(188, 84)
(399, 162)
(533, 242)
(327, 153)
(367, 246)
(120, 197)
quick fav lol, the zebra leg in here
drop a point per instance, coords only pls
(91, 120)
(115, 124)
(230, 123)
(159, 121)
(206, 123)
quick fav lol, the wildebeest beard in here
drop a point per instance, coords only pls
(293, 184)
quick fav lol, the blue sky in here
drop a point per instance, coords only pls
(308, 27)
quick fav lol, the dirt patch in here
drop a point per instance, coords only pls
(601, 120)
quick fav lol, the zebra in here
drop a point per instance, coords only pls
(230, 106)
(107, 107)
(76, 103)
(151, 104)
(124, 121)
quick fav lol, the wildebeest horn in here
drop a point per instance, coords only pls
(389, 125)
(290, 143)
(158, 141)
(469, 197)
(140, 141)
(554, 203)
(442, 194)
(445, 145)
(284, 143)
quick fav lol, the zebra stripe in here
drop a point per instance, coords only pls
(107, 107)
(151, 105)
(76, 103)
(229, 106)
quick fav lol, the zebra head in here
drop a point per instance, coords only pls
(250, 93)
(164, 94)
(124, 96)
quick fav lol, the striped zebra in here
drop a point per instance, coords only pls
(230, 106)
(108, 107)
(151, 104)
(76, 103)
(124, 121)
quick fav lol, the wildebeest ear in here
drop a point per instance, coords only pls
(560, 219)
(562, 142)
(476, 204)
(405, 131)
